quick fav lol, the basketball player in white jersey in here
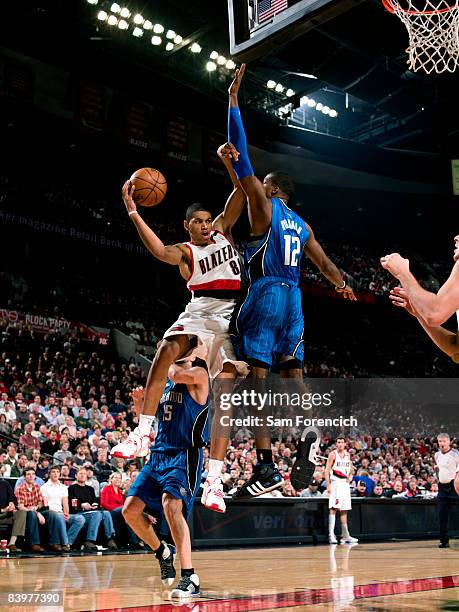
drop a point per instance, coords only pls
(210, 266)
(430, 309)
(338, 475)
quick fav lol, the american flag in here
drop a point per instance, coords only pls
(268, 8)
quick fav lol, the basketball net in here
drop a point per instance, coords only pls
(433, 32)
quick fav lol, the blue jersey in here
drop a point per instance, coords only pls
(182, 422)
(278, 253)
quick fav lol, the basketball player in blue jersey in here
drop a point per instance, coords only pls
(270, 320)
(171, 478)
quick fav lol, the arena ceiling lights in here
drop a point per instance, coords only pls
(115, 15)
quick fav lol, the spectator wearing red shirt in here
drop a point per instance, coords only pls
(112, 499)
(27, 440)
(30, 499)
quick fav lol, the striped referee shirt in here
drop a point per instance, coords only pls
(448, 465)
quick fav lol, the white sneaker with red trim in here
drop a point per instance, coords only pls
(135, 445)
(212, 495)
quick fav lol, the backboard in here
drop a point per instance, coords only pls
(258, 26)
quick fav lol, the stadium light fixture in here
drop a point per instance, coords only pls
(271, 84)
(158, 28)
(211, 66)
(137, 32)
(221, 60)
(123, 24)
(289, 93)
(169, 46)
(304, 100)
(125, 13)
(102, 15)
(93, 1)
(311, 103)
(138, 19)
(213, 55)
(170, 34)
(115, 8)
(230, 64)
(326, 110)
(319, 106)
(148, 25)
(195, 48)
(333, 113)
(279, 88)
(112, 20)
(156, 40)
(178, 39)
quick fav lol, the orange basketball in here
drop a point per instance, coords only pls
(150, 186)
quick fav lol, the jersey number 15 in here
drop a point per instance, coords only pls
(292, 250)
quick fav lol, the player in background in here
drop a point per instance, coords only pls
(430, 309)
(210, 266)
(338, 476)
(171, 478)
(447, 466)
(270, 320)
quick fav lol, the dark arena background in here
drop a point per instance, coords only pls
(91, 91)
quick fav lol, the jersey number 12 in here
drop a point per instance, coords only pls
(292, 250)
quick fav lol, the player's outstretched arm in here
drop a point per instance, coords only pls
(172, 254)
(434, 309)
(260, 208)
(327, 268)
(196, 379)
(236, 201)
(447, 341)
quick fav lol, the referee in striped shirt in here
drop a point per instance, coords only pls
(447, 460)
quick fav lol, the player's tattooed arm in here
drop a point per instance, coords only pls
(327, 268)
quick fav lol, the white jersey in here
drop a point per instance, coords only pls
(215, 269)
(341, 467)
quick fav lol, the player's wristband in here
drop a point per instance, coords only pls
(132, 212)
(340, 288)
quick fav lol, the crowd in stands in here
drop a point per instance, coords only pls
(65, 403)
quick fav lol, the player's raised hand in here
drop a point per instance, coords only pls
(399, 297)
(127, 192)
(137, 395)
(228, 151)
(395, 264)
(347, 293)
(236, 83)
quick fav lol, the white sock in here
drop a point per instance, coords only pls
(215, 469)
(331, 524)
(345, 530)
(145, 423)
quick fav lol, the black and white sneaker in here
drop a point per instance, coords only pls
(306, 459)
(265, 478)
(166, 564)
(188, 586)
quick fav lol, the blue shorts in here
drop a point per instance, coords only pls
(178, 474)
(270, 321)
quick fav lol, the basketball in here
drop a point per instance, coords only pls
(150, 186)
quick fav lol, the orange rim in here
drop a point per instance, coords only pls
(388, 5)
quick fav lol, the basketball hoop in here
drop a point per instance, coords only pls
(433, 29)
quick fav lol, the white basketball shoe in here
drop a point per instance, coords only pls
(135, 445)
(212, 496)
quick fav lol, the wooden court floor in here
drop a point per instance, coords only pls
(389, 576)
